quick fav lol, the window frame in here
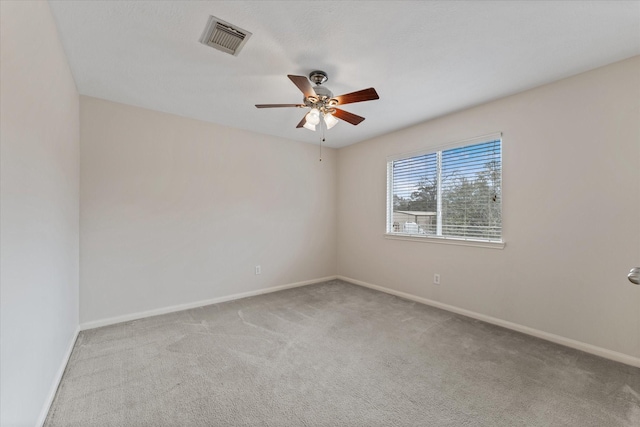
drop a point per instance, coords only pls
(429, 238)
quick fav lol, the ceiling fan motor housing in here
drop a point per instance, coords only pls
(323, 101)
(323, 92)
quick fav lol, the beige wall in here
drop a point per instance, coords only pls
(571, 212)
(176, 211)
(39, 213)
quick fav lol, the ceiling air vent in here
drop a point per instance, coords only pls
(223, 36)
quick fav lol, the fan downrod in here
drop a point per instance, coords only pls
(318, 77)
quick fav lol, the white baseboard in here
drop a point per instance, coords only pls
(568, 342)
(56, 380)
(164, 310)
(588, 348)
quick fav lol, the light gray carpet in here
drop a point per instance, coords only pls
(334, 354)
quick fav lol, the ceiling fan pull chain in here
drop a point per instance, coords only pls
(322, 140)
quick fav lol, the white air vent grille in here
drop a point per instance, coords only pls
(223, 36)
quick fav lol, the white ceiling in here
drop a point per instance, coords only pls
(425, 59)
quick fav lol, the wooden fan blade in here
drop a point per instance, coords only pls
(347, 116)
(303, 84)
(359, 96)
(302, 122)
(278, 105)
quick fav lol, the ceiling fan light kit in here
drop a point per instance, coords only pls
(313, 116)
(320, 101)
(330, 120)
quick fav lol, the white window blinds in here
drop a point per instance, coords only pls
(450, 193)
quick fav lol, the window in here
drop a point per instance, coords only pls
(452, 193)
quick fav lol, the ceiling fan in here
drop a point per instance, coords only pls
(322, 102)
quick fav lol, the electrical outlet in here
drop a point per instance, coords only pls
(258, 269)
(436, 279)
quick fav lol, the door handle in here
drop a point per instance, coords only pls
(634, 275)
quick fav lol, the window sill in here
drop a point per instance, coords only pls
(445, 240)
